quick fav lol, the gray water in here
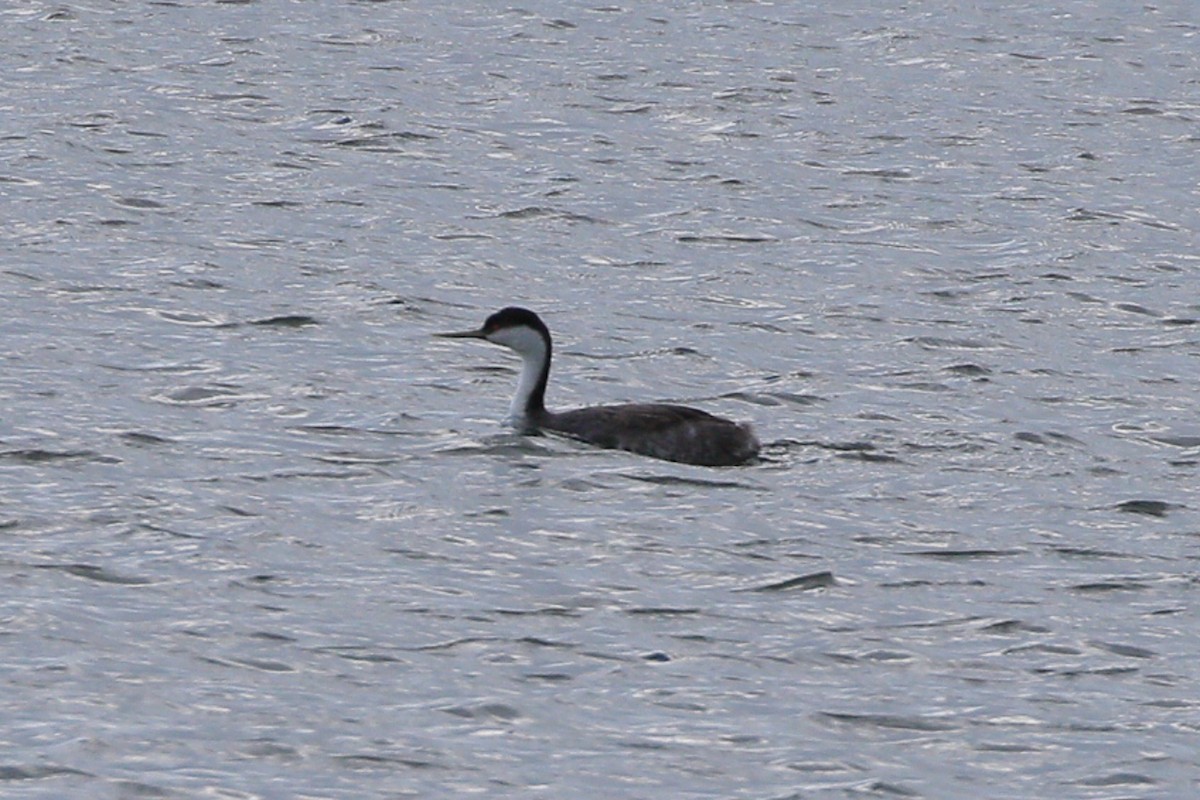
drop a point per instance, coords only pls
(262, 537)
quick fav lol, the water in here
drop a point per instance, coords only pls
(261, 536)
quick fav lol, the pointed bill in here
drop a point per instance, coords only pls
(462, 335)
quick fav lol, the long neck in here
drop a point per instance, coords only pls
(529, 402)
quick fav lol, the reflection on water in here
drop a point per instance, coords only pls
(261, 535)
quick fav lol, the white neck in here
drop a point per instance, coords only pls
(531, 369)
(530, 346)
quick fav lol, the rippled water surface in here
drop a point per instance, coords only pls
(261, 536)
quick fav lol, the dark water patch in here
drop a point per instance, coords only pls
(14, 180)
(96, 119)
(547, 677)
(538, 641)
(454, 644)
(730, 237)
(1114, 585)
(892, 174)
(877, 656)
(947, 294)
(286, 321)
(1046, 438)
(948, 343)
(840, 447)
(924, 386)
(661, 611)
(1167, 612)
(1091, 552)
(582, 485)
(238, 512)
(1150, 508)
(267, 747)
(495, 512)
(277, 204)
(1085, 672)
(139, 202)
(38, 456)
(418, 555)
(143, 439)
(232, 97)
(137, 790)
(1134, 308)
(145, 526)
(540, 212)
(968, 370)
(98, 574)
(12, 772)
(1115, 218)
(888, 789)
(967, 554)
(1143, 107)
(25, 276)
(1186, 442)
(328, 430)
(359, 654)
(1048, 648)
(1125, 650)
(1012, 626)
(679, 480)
(252, 243)
(815, 580)
(1084, 297)
(496, 712)
(870, 457)
(644, 744)
(1118, 779)
(740, 549)
(459, 237)
(540, 611)
(820, 768)
(891, 721)
(911, 583)
(385, 142)
(256, 664)
(370, 761)
(961, 447)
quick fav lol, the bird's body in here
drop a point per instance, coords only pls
(660, 430)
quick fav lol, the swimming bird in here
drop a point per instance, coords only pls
(659, 430)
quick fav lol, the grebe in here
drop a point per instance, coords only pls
(674, 433)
